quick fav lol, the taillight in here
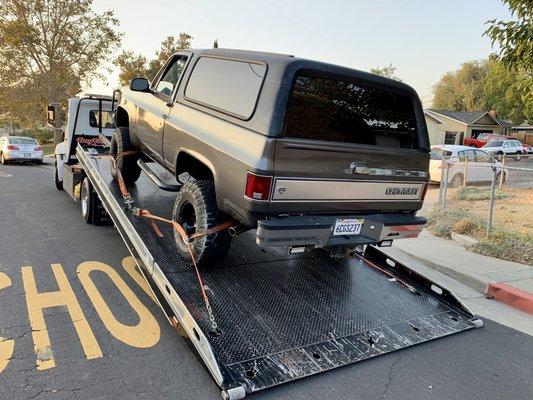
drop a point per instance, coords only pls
(257, 186)
(12, 147)
(38, 148)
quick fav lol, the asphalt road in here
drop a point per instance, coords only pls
(40, 226)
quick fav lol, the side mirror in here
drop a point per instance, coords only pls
(140, 85)
(52, 114)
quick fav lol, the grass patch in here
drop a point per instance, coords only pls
(501, 243)
(477, 193)
(507, 246)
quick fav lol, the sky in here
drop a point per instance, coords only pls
(423, 39)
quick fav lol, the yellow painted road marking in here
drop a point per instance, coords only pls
(6, 345)
(65, 296)
(129, 264)
(145, 334)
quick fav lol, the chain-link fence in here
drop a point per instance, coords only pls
(485, 192)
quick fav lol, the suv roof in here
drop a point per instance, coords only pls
(280, 64)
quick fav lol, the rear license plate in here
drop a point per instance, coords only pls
(27, 155)
(347, 227)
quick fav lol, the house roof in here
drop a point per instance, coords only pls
(467, 117)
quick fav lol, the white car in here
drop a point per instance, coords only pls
(475, 164)
(499, 148)
(20, 148)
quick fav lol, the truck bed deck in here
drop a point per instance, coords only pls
(281, 316)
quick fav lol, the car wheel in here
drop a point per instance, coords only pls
(127, 165)
(500, 177)
(195, 209)
(85, 200)
(457, 180)
(3, 159)
(59, 184)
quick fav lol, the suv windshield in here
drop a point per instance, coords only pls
(483, 136)
(22, 141)
(497, 143)
(343, 110)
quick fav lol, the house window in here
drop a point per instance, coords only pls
(449, 137)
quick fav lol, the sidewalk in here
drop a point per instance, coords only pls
(506, 281)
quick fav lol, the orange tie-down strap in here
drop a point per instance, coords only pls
(188, 241)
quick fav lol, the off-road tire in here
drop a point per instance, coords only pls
(120, 142)
(199, 196)
(59, 184)
(2, 159)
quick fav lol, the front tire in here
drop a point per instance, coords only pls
(127, 164)
(195, 209)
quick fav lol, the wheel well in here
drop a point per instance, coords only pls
(193, 166)
(122, 118)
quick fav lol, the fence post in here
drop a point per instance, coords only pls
(443, 183)
(492, 194)
(466, 172)
(500, 184)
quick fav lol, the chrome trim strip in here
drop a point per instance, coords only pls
(291, 190)
(364, 170)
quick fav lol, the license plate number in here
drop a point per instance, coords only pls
(347, 227)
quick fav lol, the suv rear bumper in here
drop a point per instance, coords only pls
(316, 230)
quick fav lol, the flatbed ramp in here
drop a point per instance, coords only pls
(280, 317)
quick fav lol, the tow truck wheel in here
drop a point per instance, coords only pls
(85, 200)
(127, 164)
(59, 184)
(196, 210)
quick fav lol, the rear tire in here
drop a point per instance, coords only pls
(59, 184)
(195, 209)
(120, 143)
(3, 159)
(86, 193)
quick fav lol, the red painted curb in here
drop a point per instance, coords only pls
(511, 296)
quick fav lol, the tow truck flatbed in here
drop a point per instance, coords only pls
(281, 316)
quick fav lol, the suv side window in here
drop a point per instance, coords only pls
(169, 79)
(228, 86)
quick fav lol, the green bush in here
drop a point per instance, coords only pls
(476, 193)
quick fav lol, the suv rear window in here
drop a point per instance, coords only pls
(226, 85)
(343, 110)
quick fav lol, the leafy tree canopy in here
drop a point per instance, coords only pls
(49, 47)
(388, 71)
(133, 65)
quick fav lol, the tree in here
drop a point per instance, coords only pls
(49, 47)
(515, 37)
(387, 71)
(132, 65)
(461, 90)
(484, 85)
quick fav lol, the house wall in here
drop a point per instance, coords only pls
(435, 131)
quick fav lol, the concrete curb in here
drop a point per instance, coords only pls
(500, 291)
(511, 296)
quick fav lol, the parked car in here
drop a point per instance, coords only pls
(304, 151)
(501, 148)
(20, 148)
(527, 148)
(482, 139)
(475, 164)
